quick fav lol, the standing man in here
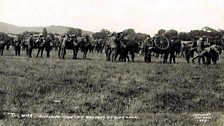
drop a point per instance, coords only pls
(17, 46)
(30, 45)
(63, 46)
(47, 44)
(146, 45)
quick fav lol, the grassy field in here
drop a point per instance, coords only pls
(155, 93)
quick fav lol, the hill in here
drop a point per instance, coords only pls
(9, 28)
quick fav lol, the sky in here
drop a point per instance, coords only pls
(146, 16)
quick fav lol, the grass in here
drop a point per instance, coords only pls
(159, 94)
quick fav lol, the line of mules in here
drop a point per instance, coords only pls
(117, 46)
(68, 42)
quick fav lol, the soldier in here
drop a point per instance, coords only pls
(17, 46)
(63, 46)
(64, 40)
(146, 45)
(30, 45)
(47, 45)
(86, 46)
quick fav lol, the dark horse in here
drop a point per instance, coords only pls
(68, 43)
(2, 46)
(128, 47)
(5, 43)
(84, 45)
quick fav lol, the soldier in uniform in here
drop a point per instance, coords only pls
(47, 45)
(17, 46)
(146, 45)
(63, 46)
(30, 45)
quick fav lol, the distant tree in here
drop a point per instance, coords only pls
(105, 31)
(101, 35)
(161, 32)
(139, 37)
(195, 33)
(209, 29)
(130, 33)
(183, 36)
(45, 32)
(221, 31)
(74, 31)
(171, 33)
(24, 35)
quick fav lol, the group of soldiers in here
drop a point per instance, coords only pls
(38, 42)
(93, 44)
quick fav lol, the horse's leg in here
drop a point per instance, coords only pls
(15, 51)
(48, 52)
(19, 49)
(30, 52)
(127, 57)
(165, 57)
(132, 56)
(1, 51)
(74, 53)
(84, 54)
(198, 56)
(27, 51)
(38, 51)
(115, 56)
(63, 51)
(41, 53)
(112, 55)
(109, 55)
(59, 52)
(199, 60)
(172, 57)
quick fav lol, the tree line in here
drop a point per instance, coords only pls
(130, 34)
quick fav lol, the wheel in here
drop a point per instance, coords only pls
(161, 42)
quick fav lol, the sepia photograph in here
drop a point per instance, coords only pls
(111, 63)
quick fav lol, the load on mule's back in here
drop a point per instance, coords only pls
(38, 42)
(161, 45)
